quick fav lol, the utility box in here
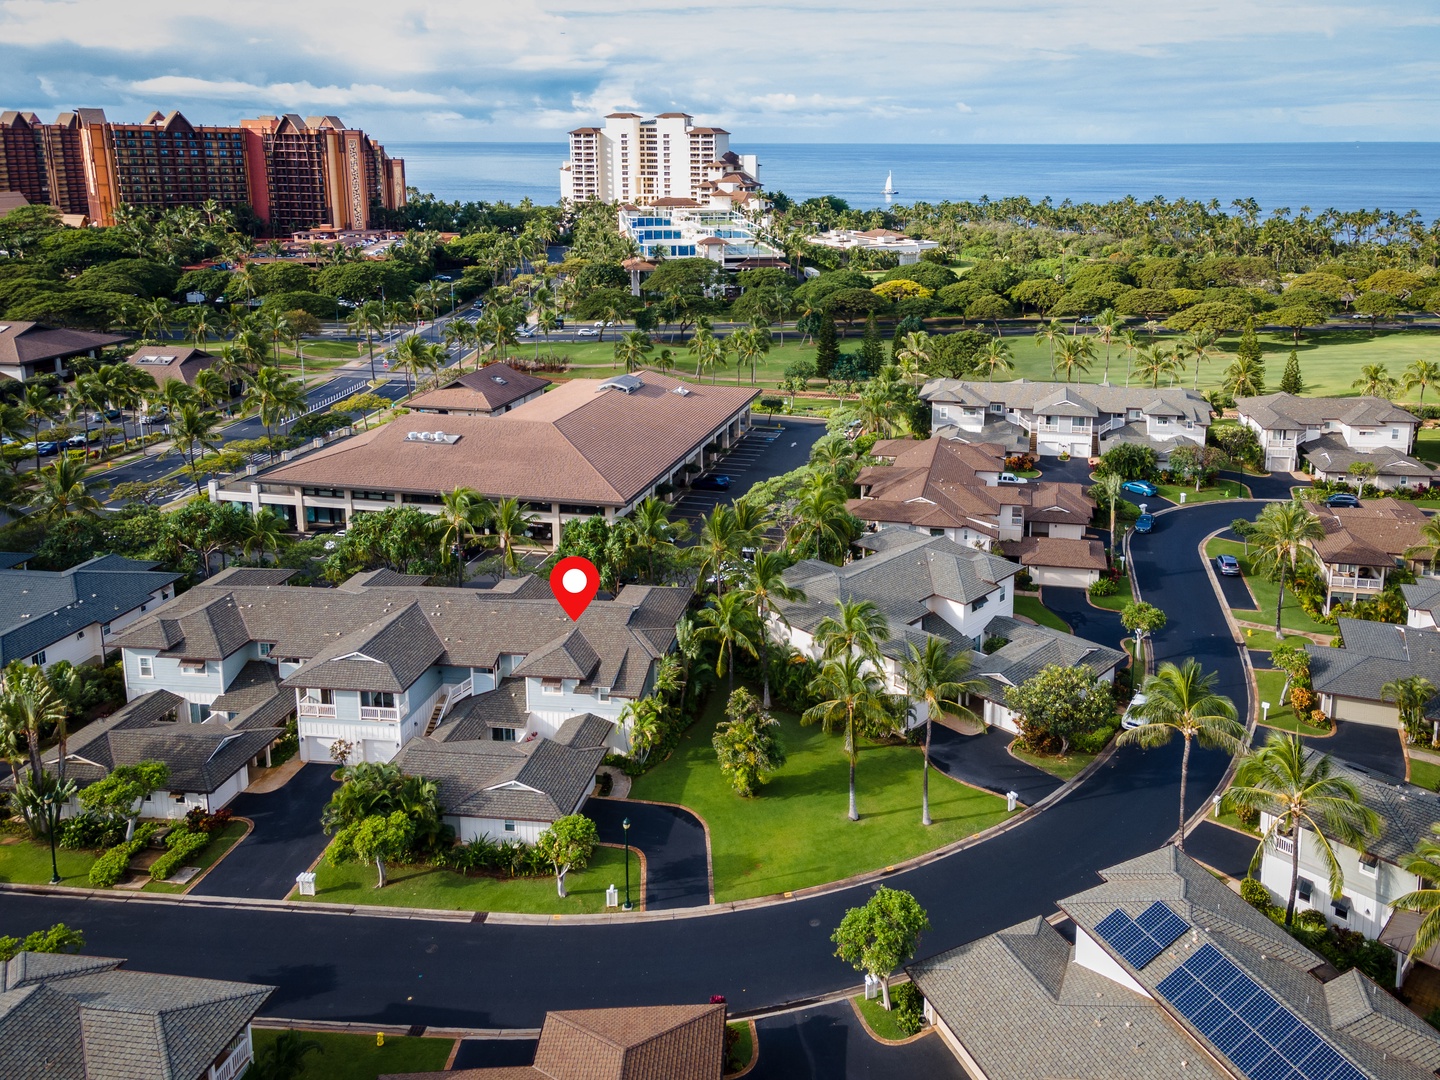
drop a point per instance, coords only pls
(306, 882)
(612, 897)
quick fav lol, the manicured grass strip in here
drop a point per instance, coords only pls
(445, 890)
(356, 1057)
(1268, 685)
(1229, 818)
(27, 862)
(1035, 611)
(222, 842)
(744, 1048)
(884, 1025)
(1225, 489)
(1424, 774)
(1120, 601)
(1066, 768)
(795, 833)
(1266, 592)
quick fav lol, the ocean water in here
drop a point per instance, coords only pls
(1341, 176)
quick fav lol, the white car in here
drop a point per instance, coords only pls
(587, 331)
(1132, 717)
(1011, 478)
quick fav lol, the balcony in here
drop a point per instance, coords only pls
(1355, 583)
(1285, 845)
(316, 709)
(377, 713)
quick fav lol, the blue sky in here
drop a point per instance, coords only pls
(954, 71)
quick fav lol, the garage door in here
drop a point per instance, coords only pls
(1062, 576)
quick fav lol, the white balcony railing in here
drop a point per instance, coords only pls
(379, 713)
(234, 1060)
(1363, 584)
(315, 708)
(1285, 845)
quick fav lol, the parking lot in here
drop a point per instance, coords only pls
(763, 453)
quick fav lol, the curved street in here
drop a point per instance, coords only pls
(406, 971)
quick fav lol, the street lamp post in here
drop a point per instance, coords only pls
(626, 826)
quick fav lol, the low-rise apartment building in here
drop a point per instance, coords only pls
(1363, 544)
(590, 446)
(1050, 419)
(1372, 429)
(1351, 680)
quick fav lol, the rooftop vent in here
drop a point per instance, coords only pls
(626, 384)
(159, 361)
(431, 437)
(683, 391)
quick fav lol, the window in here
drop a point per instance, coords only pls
(80, 635)
(105, 629)
(265, 648)
(145, 667)
(997, 407)
(1304, 889)
(602, 693)
(380, 699)
(193, 667)
(978, 604)
(1341, 907)
(502, 734)
(509, 826)
(937, 532)
(199, 713)
(38, 658)
(1394, 434)
(551, 686)
(1370, 864)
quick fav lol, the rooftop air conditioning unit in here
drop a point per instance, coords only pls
(412, 435)
(683, 391)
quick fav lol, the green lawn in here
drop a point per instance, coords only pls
(1229, 818)
(1292, 616)
(1329, 359)
(224, 840)
(1066, 768)
(1035, 611)
(1225, 489)
(1268, 685)
(26, 862)
(743, 1049)
(795, 833)
(1425, 774)
(1427, 444)
(356, 1057)
(428, 887)
(1120, 600)
(885, 1025)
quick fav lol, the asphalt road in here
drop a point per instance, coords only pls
(830, 1041)
(984, 761)
(677, 861)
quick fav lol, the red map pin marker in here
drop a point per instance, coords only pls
(574, 581)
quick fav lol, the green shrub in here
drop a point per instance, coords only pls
(182, 843)
(1093, 742)
(110, 867)
(1311, 919)
(89, 830)
(1255, 894)
(1248, 816)
(1104, 587)
(909, 1006)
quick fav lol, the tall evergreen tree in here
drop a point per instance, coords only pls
(872, 349)
(1290, 382)
(827, 347)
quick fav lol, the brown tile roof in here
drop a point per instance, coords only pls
(492, 387)
(1053, 551)
(28, 342)
(1375, 534)
(579, 443)
(166, 362)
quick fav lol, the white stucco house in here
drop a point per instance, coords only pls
(1335, 433)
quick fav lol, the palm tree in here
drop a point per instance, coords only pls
(1154, 363)
(719, 541)
(193, 430)
(1075, 354)
(284, 1059)
(1050, 332)
(463, 513)
(198, 322)
(938, 680)
(1280, 542)
(264, 532)
(1424, 374)
(1245, 377)
(858, 627)
(707, 350)
(851, 697)
(1424, 863)
(821, 520)
(1411, 696)
(730, 622)
(277, 397)
(368, 321)
(1429, 548)
(1298, 789)
(652, 532)
(1375, 381)
(37, 405)
(29, 704)
(276, 326)
(995, 356)
(750, 346)
(914, 354)
(632, 348)
(509, 525)
(211, 387)
(413, 355)
(156, 316)
(1108, 487)
(1129, 346)
(1182, 701)
(765, 584)
(63, 491)
(1201, 345)
(1108, 325)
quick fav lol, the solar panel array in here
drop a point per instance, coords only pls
(1141, 940)
(1264, 1039)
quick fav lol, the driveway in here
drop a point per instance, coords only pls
(1225, 849)
(285, 841)
(1372, 747)
(1099, 625)
(829, 1041)
(677, 861)
(1275, 486)
(1237, 593)
(983, 760)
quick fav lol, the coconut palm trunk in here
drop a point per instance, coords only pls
(850, 750)
(925, 777)
(1184, 780)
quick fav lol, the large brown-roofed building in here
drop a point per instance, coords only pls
(166, 362)
(657, 1042)
(28, 349)
(494, 389)
(590, 446)
(1362, 544)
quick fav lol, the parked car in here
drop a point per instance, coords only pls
(587, 331)
(76, 442)
(1011, 478)
(713, 482)
(108, 414)
(330, 544)
(1140, 487)
(1342, 498)
(1145, 523)
(45, 449)
(1132, 717)
(1229, 565)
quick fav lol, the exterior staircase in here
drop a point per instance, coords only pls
(437, 712)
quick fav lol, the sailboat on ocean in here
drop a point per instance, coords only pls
(890, 184)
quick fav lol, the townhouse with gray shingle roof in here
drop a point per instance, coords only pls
(68, 1017)
(1351, 680)
(382, 662)
(1050, 418)
(1162, 971)
(1341, 429)
(75, 614)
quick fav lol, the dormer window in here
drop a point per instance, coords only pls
(264, 648)
(192, 667)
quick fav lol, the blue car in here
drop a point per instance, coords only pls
(714, 482)
(1144, 523)
(1139, 487)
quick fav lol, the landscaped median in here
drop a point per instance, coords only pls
(448, 890)
(795, 833)
(1266, 592)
